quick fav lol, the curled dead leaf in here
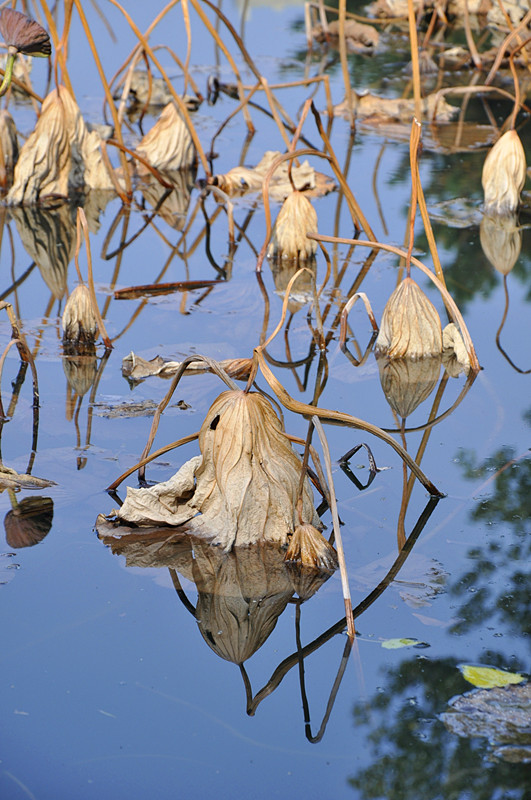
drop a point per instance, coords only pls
(136, 368)
(244, 487)
(168, 145)
(240, 180)
(410, 325)
(296, 218)
(504, 174)
(79, 321)
(359, 36)
(59, 156)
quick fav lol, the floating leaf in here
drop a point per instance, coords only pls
(136, 368)
(396, 644)
(360, 38)
(488, 677)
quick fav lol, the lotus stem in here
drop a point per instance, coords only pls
(8, 74)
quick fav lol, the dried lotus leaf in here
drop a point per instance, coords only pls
(410, 325)
(240, 180)
(8, 147)
(501, 241)
(359, 36)
(79, 321)
(407, 382)
(504, 174)
(168, 145)
(244, 487)
(296, 218)
(59, 156)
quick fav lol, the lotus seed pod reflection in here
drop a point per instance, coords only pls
(24, 34)
(410, 324)
(501, 240)
(407, 382)
(79, 321)
(504, 173)
(296, 218)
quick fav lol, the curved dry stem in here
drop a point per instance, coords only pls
(160, 452)
(214, 366)
(346, 311)
(446, 296)
(341, 418)
(180, 104)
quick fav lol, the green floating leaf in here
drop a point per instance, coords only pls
(488, 677)
(395, 644)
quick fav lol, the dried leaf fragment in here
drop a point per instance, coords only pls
(504, 173)
(489, 677)
(455, 356)
(240, 180)
(136, 368)
(296, 218)
(410, 325)
(359, 36)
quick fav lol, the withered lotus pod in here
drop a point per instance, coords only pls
(410, 325)
(28, 522)
(296, 218)
(504, 173)
(309, 548)
(24, 34)
(501, 240)
(243, 489)
(407, 382)
(79, 321)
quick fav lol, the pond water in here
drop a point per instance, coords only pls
(110, 687)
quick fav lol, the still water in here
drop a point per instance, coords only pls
(111, 687)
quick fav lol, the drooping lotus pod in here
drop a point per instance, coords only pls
(504, 173)
(410, 327)
(59, 156)
(168, 145)
(79, 321)
(296, 218)
(243, 489)
(501, 240)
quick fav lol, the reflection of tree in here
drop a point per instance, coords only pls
(414, 755)
(504, 556)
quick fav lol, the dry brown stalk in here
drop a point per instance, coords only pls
(337, 530)
(414, 46)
